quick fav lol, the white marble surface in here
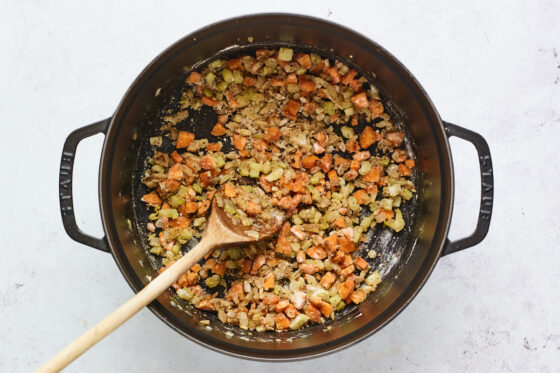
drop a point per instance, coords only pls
(491, 66)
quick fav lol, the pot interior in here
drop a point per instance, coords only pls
(405, 259)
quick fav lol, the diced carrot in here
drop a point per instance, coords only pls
(246, 266)
(272, 134)
(304, 60)
(362, 197)
(326, 309)
(229, 190)
(296, 159)
(331, 243)
(356, 85)
(339, 256)
(175, 172)
(269, 281)
(297, 231)
(354, 121)
(165, 206)
(259, 261)
(410, 163)
(283, 245)
(347, 270)
(209, 101)
(300, 256)
(236, 291)
(360, 100)
(333, 178)
(361, 263)
(181, 222)
(265, 184)
(309, 161)
(316, 252)
(253, 208)
(152, 198)
(292, 109)
(291, 311)
(309, 107)
(373, 175)
(308, 268)
(404, 170)
(281, 305)
(203, 207)
(307, 86)
(191, 207)
(346, 245)
(326, 162)
(277, 82)
(176, 157)
(193, 78)
(352, 145)
(232, 101)
(327, 280)
(260, 145)
(313, 313)
(345, 288)
(195, 268)
(184, 139)
(340, 223)
(249, 81)
(367, 138)
(372, 189)
(355, 165)
(281, 321)
(346, 79)
(291, 79)
(239, 142)
(270, 299)
(382, 181)
(219, 268)
(385, 215)
(335, 76)
(214, 147)
(358, 296)
(376, 108)
(169, 185)
(205, 305)
(218, 130)
(234, 63)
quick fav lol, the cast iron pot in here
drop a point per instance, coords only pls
(406, 259)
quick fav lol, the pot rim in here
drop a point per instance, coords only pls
(407, 295)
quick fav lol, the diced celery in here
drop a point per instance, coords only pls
(220, 162)
(349, 111)
(293, 88)
(227, 75)
(347, 132)
(207, 92)
(153, 216)
(365, 167)
(300, 71)
(185, 293)
(235, 253)
(169, 213)
(197, 188)
(221, 86)
(386, 204)
(366, 222)
(328, 107)
(230, 209)
(406, 194)
(383, 161)
(246, 221)
(212, 281)
(210, 77)
(315, 58)
(285, 54)
(347, 189)
(299, 321)
(199, 221)
(353, 203)
(186, 234)
(176, 249)
(176, 201)
(321, 293)
(373, 279)
(316, 178)
(216, 64)
(357, 233)
(267, 167)
(335, 300)
(156, 250)
(396, 224)
(392, 190)
(237, 76)
(254, 174)
(297, 220)
(275, 174)
(340, 306)
(231, 264)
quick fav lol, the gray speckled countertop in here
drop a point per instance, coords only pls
(493, 67)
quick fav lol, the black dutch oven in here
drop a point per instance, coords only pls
(406, 259)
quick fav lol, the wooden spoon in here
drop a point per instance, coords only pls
(219, 232)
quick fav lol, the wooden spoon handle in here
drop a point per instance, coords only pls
(156, 287)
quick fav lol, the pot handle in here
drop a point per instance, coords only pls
(486, 191)
(65, 185)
